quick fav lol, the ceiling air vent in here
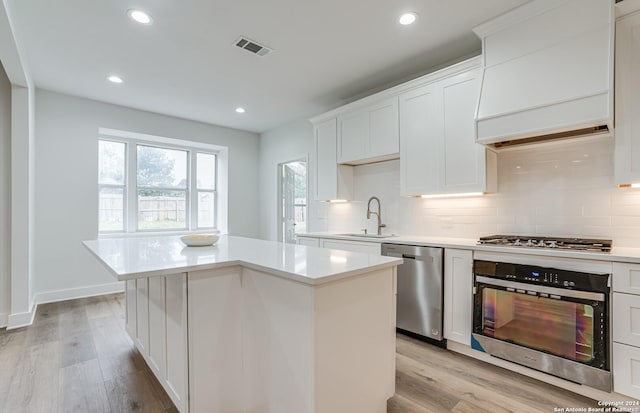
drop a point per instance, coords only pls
(253, 47)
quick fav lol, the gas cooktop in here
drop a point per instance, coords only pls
(579, 244)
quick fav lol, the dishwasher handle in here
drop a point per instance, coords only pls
(409, 256)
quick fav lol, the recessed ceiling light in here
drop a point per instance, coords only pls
(408, 18)
(114, 79)
(240, 110)
(140, 16)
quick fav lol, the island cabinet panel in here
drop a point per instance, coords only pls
(355, 343)
(215, 341)
(131, 313)
(141, 338)
(458, 295)
(175, 380)
(157, 330)
(157, 323)
(277, 344)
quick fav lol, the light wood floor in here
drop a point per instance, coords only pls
(77, 358)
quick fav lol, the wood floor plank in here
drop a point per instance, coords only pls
(399, 404)
(12, 346)
(82, 389)
(77, 348)
(523, 389)
(114, 349)
(34, 387)
(132, 393)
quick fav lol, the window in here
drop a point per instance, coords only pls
(149, 187)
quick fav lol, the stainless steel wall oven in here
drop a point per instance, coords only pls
(552, 320)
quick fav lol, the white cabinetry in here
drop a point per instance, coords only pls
(438, 152)
(369, 134)
(310, 242)
(333, 181)
(626, 329)
(157, 323)
(458, 295)
(353, 246)
(627, 138)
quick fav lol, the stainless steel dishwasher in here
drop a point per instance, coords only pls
(420, 289)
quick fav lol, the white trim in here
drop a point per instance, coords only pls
(448, 71)
(80, 292)
(12, 321)
(158, 139)
(21, 319)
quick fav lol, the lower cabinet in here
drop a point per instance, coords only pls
(458, 295)
(626, 329)
(156, 320)
(354, 246)
(310, 242)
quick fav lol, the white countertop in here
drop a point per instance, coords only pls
(129, 258)
(630, 255)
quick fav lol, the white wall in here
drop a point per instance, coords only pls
(286, 143)
(5, 196)
(66, 190)
(563, 189)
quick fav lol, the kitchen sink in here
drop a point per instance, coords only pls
(361, 235)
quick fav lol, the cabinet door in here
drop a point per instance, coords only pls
(627, 72)
(333, 181)
(311, 242)
(384, 139)
(157, 330)
(626, 278)
(421, 131)
(626, 370)
(353, 246)
(458, 295)
(463, 166)
(626, 319)
(142, 316)
(131, 316)
(176, 373)
(353, 136)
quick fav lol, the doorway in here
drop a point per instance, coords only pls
(292, 206)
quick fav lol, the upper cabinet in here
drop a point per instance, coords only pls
(548, 71)
(438, 152)
(369, 134)
(333, 181)
(627, 135)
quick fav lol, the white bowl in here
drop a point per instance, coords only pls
(199, 240)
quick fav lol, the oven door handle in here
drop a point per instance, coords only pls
(584, 295)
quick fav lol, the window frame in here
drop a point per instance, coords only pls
(131, 188)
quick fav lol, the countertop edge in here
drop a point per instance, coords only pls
(617, 255)
(391, 262)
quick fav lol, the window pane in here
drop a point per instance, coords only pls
(161, 168)
(206, 175)
(206, 210)
(111, 209)
(161, 209)
(111, 162)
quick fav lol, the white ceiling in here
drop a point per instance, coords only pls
(326, 52)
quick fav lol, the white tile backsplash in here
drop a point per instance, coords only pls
(561, 188)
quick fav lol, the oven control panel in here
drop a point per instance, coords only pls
(542, 276)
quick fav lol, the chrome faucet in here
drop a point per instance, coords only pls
(377, 214)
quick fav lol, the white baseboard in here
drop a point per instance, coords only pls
(18, 320)
(21, 319)
(80, 292)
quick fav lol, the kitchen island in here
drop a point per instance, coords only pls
(251, 326)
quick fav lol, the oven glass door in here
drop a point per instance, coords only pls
(570, 327)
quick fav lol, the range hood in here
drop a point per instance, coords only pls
(548, 72)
